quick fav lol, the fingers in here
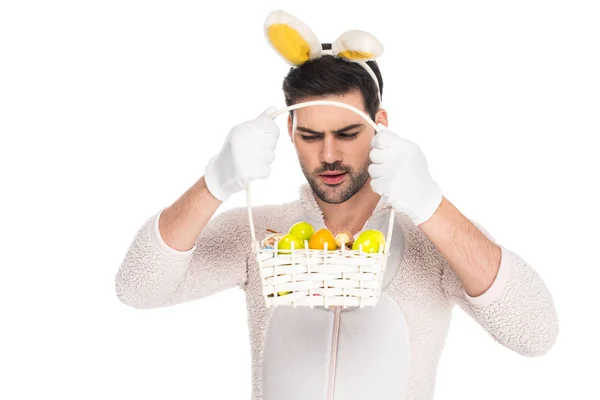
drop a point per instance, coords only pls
(377, 170)
(380, 156)
(387, 139)
(259, 172)
(268, 112)
(378, 185)
(265, 157)
(263, 172)
(265, 123)
(383, 139)
(268, 142)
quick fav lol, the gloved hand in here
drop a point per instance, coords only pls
(399, 171)
(247, 154)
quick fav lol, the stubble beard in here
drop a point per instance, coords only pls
(341, 192)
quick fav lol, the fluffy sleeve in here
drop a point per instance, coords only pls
(517, 310)
(152, 274)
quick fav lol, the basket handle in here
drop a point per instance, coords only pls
(307, 104)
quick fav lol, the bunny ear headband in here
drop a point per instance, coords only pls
(296, 43)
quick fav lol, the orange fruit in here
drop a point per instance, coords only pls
(319, 238)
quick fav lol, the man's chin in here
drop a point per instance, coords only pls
(331, 193)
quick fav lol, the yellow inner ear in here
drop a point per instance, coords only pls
(289, 43)
(356, 55)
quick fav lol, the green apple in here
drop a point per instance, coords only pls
(372, 240)
(302, 230)
(285, 243)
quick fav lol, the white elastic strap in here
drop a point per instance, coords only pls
(326, 103)
(370, 71)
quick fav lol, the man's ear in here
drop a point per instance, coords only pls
(381, 117)
(290, 124)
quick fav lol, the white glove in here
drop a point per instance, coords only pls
(247, 154)
(400, 172)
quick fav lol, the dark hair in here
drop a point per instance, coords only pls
(329, 75)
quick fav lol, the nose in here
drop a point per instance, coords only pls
(330, 152)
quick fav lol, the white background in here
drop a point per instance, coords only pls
(110, 110)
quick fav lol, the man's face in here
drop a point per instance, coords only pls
(333, 146)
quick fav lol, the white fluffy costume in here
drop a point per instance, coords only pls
(341, 354)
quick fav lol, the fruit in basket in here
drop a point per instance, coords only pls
(269, 241)
(302, 230)
(319, 238)
(343, 238)
(279, 294)
(285, 243)
(371, 240)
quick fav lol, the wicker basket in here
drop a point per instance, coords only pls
(322, 278)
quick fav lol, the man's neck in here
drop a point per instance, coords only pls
(351, 215)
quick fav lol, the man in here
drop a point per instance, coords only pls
(439, 257)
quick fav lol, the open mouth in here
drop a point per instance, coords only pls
(333, 178)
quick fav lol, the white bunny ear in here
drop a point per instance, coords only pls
(291, 38)
(357, 45)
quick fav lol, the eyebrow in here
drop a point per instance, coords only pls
(342, 130)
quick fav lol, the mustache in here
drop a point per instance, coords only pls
(336, 166)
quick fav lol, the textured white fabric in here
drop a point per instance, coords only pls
(518, 311)
(246, 155)
(400, 173)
